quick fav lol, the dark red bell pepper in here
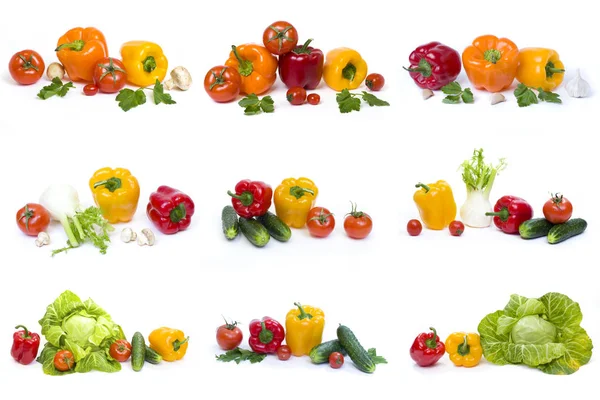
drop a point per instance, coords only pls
(251, 198)
(303, 66)
(434, 65)
(266, 335)
(510, 212)
(427, 349)
(170, 210)
(25, 345)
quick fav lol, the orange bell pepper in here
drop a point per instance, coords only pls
(256, 65)
(491, 63)
(79, 50)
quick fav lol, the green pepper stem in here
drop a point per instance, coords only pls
(303, 314)
(349, 72)
(424, 186)
(304, 49)
(246, 67)
(492, 55)
(149, 64)
(111, 184)
(424, 68)
(27, 335)
(502, 214)
(265, 336)
(551, 69)
(77, 45)
(298, 191)
(178, 213)
(432, 343)
(246, 198)
(177, 343)
(464, 348)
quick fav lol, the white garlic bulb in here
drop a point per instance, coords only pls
(577, 87)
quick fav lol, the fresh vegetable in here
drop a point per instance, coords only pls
(491, 63)
(152, 356)
(296, 95)
(253, 105)
(427, 93)
(427, 349)
(230, 222)
(146, 238)
(436, 205)
(251, 198)
(434, 65)
(90, 89)
(456, 228)
(414, 227)
(82, 328)
(558, 209)
(578, 87)
(497, 98)
(238, 355)
(64, 361)
(313, 99)
(254, 231)
(79, 50)
(535, 228)
(456, 93)
(180, 79)
(116, 192)
(129, 99)
(110, 75)
(375, 82)
(348, 102)
(336, 360)
(144, 62)
(138, 351)
(540, 68)
(55, 70)
(304, 329)
(284, 353)
(266, 335)
(526, 96)
(561, 232)
(293, 200)
(358, 224)
(320, 222)
(303, 66)
(510, 212)
(120, 350)
(543, 333)
(26, 67)
(25, 345)
(320, 353)
(479, 180)
(280, 37)
(464, 349)
(222, 83)
(344, 68)
(33, 219)
(359, 356)
(171, 344)
(229, 336)
(56, 88)
(42, 239)
(275, 226)
(256, 65)
(170, 210)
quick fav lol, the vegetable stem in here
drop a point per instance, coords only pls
(67, 227)
(303, 314)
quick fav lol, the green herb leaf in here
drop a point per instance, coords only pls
(129, 99)
(455, 93)
(549, 97)
(253, 105)
(375, 358)
(160, 96)
(238, 355)
(452, 88)
(349, 102)
(525, 96)
(372, 100)
(56, 88)
(478, 175)
(249, 100)
(467, 96)
(267, 104)
(452, 99)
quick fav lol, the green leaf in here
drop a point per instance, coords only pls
(267, 104)
(467, 96)
(452, 99)
(56, 88)
(548, 97)
(129, 99)
(525, 96)
(160, 96)
(238, 355)
(372, 100)
(98, 361)
(375, 358)
(456, 93)
(494, 345)
(249, 100)
(253, 109)
(452, 88)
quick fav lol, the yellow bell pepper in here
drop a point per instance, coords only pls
(304, 329)
(464, 349)
(540, 68)
(144, 63)
(344, 69)
(116, 192)
(293, 200)
(436, 204)
(171, 344)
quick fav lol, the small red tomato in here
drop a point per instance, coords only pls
(33, 219)
(414, 227)
(284, 352)
(456, 228)
(222, 83)
(229, 336)
(26, 67)
(558, 209)
(320, 222)
(64, 360)
(120, 350)
(375, 82)
(280, 37)
(336, 360)
(358, 224)
(90, 89)
(110, 75)
(296, 95)
(314, 99)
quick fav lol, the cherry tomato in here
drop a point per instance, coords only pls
(64, 361)
(296, 95)
(120, 350)
(222, 83)
(90, 89)
(336, 360)
(358, 224)
(375, 82)
(26, 67)
(314, 99)
(414, 227)
(558, 209)
(320, 222)
(284, 353)
(280, 37)
(229, 336)
(456, 228)
(33, 219)
(110, 75)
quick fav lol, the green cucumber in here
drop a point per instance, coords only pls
(561, 232)
(254, 231)
(535, 228)
(321, 352)
(230, 222)
(152, 356)
(276, 227)
(359, 356)
(138, 351)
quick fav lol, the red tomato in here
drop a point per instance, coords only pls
(414, 227)
(314, 99)
(33, 219)
(64, 361)
(296, 95)
(284, 352)
(456, 228)
(110, 75)
(280, 37)
(90, 89)
(358, 224)
(336, 360)
(229, 336)
(222, 83)
(558, 209)
(120, 350)
(375, 82)
(26, 67)
(320, 222)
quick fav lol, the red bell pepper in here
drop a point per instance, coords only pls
(266, 335)
(251, 198)
(170, 210)
(25, 345)
(434, 65)
(427, 349)
(510, 212)
(303, 66)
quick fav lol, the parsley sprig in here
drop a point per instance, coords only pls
(56, 88)
(526, 96)
(253, 105)
(376, 359)
(456, 93)
(238, 355)
(129, 98)
(349, 102)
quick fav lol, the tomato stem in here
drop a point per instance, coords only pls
(28, 64)
(281, 35)
(110, 69)
(219, 80)
(28, 214)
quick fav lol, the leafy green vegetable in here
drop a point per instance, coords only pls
(349, 102)
(455, 93)
(129, 99)
(253, 105)
(376, 359)
(543, 333)
(526, 96)
(238, 355)
(93, 227)
(56, 88)
(160, 96)
(478, 175)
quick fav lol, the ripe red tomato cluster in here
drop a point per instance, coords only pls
(414, 228)
(321, 222)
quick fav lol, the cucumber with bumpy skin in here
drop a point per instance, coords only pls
(535, 228)
(138, 351)
(359, 356)
(254, 231)
(230, 222)
(561, 232)
(276, 227)
(321, 352)
(152, 356)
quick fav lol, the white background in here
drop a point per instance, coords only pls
(387, 288)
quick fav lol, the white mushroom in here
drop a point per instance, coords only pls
(180, 78)
(55, 70)
(128, 235)
(42, 239)
(146, 238)
(427, 94)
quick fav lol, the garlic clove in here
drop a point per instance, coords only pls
(578, 87)
(497, 98)
(427, 93)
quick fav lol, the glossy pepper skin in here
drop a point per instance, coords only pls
(170, 210)
(251, 198)
(464, 349)
(256, 65)
(510, 212)
(25, 345)
(491, 63)
(304, 329)
(116, 192)
(344, 69)
(171, 344)
(434, 65)
(539, 67)
(302, 67)
(266, 335)
(293, 200)
(436, 204)
(427, 349)
(144, 62)
(79, 50)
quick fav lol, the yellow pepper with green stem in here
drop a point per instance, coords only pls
(170, 343)
(304, 329)
(144, 62)
(116, 192)
(464, 349)
(344, 68)
(540, 68)
(436, 204)
(293, 200)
